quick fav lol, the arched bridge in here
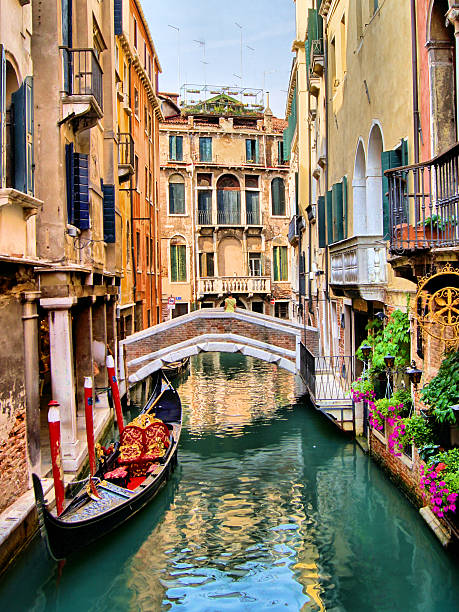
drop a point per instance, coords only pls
(211, 329)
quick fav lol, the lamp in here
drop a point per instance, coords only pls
(366, 350)
(389, 360)
(414, 374)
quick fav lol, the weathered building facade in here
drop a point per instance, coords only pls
(224, 206)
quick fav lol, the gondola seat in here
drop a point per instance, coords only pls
(143, 442)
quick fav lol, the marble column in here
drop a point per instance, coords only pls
(62, 371)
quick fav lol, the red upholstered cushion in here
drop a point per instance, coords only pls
(117, 473)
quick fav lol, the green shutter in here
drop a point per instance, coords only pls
(172, 148)
(2, 118)
(404, 152)
(173, 263)
(329, 218)
(248, 149)
(337, 207)
(284, 263)
(276, 270)
(389, 159)
(278, 197)
(181, 263)
(257, 152)
(22, 100)
(345, 208)
(179, 148)
(321, 221)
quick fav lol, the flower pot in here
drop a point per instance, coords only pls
(408, 236)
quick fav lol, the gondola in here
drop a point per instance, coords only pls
(130, 474)
(175, 368)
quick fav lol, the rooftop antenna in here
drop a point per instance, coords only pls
(178, 54)
(240, 28)
(202, 44)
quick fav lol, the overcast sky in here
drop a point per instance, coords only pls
(268, 26)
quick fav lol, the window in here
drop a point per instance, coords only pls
(125, 78)
(251, 150)
(204, 207)
(204, 179)
(278, 197)
(280, 266)
(257, 307)
(145, 119)
(146, 183)
(206, 265)
(280, 152)
(178, 261)
(252, 206)
(136, 102)
(255, 264)
(176, 148)
(205, 149)
(137, 259)
(136, 171)
(281, 310)
(135, 33)
(334, 80)
(145, 55)
(343, 45)
(228, 200)
(77, 175)
(176, 195)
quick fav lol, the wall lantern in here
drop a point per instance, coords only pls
(414, 373)
(366, 350)
(389, 360)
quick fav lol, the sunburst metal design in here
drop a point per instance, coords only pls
(437, 312)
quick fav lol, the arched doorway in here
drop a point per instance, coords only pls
(228, 200)
(230, 257)
(373, 195)
(359, 196)
(441, 53)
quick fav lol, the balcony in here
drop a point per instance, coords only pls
(227, 217)
(205, 217)
(317, 58)
(235, 284)
(424, 205)
(358, 265)
(294, 229)
(125, 156)
(253, 217)
(83, 99)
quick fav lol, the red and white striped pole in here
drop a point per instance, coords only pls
(89, 417)
(115, 392)
(54, 426)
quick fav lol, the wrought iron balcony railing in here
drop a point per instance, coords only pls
(205, 217)
(424, 204)
(82, 74)
(294, 229)
(253, 217)
(226, 217)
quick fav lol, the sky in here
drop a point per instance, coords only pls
(268, 27)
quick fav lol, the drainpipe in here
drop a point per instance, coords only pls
(131, 195)
(414, 63)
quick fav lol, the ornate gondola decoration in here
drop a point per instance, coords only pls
(436, 307)
(130, 474)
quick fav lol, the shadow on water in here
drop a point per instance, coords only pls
(271, 507)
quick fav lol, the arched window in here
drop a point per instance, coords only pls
(176, 195)
(359, 192)
(373, 185)
(228, 200)
(278, 197)
(178, 260)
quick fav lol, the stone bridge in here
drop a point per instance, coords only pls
(213, 330)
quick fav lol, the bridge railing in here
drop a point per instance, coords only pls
(235, 284)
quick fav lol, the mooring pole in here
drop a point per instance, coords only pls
(115, 392)
(89, 418)
(54, 427)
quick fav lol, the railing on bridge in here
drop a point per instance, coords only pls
(235, 284)
(328, 379)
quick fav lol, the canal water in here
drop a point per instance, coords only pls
(270, 508)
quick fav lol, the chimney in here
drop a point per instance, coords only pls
(268, 116)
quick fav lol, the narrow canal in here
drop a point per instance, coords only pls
(270, 508)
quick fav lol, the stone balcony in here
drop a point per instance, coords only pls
(358, 265)
(248, 285)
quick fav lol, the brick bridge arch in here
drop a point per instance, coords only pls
(213, 330)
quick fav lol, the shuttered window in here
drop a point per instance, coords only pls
(176, 195)
(2, 118)
(391, 159)
(205, 149)
(178, 263)
(337, 208)
(251, 150)
(278, 197)
(118, 16)
(67, 41)
(22, 101)
(329, 217)
(176, 148)
(321, 216)
(280, 152)
(109, 213)
(280, 263)
(77, 175)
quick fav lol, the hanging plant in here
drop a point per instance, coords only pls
(442, 391)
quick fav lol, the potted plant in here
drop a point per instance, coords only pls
(436, 226)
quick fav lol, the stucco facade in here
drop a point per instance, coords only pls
(226, 229)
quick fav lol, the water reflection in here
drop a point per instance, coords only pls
(271, 508)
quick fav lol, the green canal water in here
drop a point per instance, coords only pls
(270, 508)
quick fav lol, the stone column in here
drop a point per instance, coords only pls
(374, 221)
(453, 16)
(83, 353)
(62, 372)
(99, 331)
(31, 376)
